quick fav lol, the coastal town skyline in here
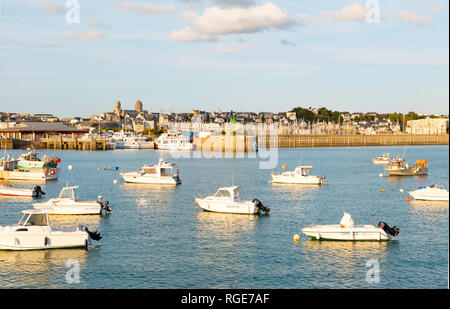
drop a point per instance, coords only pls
(178, 55)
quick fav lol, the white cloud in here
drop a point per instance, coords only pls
(412, 18)
(188, 15)
(147, 8)
(52, 8)
(303, 19)
(90, 35)
(228, 20)
(227, 50)
(354, 11)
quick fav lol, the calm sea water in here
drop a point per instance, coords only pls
(156, 238)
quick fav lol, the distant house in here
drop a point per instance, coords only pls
(32, 130)
(427, 126)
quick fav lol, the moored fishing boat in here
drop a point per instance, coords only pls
(347, 230)
(163, 173)
(431, 193)
(399, 167)
(10, 170)
(174, 141)
(33, 232)
(228, 200)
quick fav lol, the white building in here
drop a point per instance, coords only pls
(427, 126)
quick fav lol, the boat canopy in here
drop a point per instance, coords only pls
(347, 221)
(230, 192)
(34, 217)
(68, 192)
(421, 162)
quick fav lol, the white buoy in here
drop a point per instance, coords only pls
(401, 190)
(98, 168)
(69, 167)
(381, 175)
(115, 181)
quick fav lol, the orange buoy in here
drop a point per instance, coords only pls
(408, 199)
(382, 190)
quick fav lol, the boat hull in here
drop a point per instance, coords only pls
(41, 241)
(137, 178)
(246, 208)
(28, 175)
(429, 196)
(380, 162)
(308, 180)
(91, 208)
(334, 232)
(17, 192)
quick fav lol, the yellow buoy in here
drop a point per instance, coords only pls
(283, 167)
(382, 190)
(296, 237)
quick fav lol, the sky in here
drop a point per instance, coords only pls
(77, 57)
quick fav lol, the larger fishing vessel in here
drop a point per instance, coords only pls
(399, 167)
(31, 160)
(10, 170)
(174, 141)
(130, 140)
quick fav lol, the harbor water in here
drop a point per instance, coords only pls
(156, 238)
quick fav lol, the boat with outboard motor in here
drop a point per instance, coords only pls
(382, 160)
(33, 232)
(431, 193)
(298, 176)
(347, 230)
(164, 173)
(228, 200)
(399, 167)
(68, 204)
(21, 192)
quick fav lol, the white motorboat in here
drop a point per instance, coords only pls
(10, 170)
(131, 140)
(381, 160)
(174, 141)
(23, 192)
(228, 200)
(298, 176)
(431, 193)
(68, 204)
(33, 232)
(163, 173)
(347, 230)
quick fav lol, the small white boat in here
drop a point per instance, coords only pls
(67, 204)
(431, 193)
(347, 230)
(33, 232)
(162, 173)
(22, 192)
(228, 200)
(298, 176)
(381, 160)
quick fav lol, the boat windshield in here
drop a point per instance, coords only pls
(66, 193)
(34, 220)
(436, 187)
(223, 193)
(149, 170)
(166, 171)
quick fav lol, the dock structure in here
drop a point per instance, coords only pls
(312, 141)
(73, 144)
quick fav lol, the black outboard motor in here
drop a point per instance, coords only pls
(261, 207)
(94, 235)
(38, 191)
(394, 231)
(105, 206)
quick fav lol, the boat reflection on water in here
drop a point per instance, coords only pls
(295, 191)
(428, 205)
(225, 225)
(37, 268)
(146, 196)
(342, 262)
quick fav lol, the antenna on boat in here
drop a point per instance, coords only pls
(232, 177)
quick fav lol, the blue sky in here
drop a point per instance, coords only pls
(241, 55)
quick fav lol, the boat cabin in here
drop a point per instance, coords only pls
(34, 217)
(8, 165)
(302, 170)
(162, 169)
(228, 192)
(68, 192)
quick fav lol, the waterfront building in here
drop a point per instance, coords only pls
(427, 126)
